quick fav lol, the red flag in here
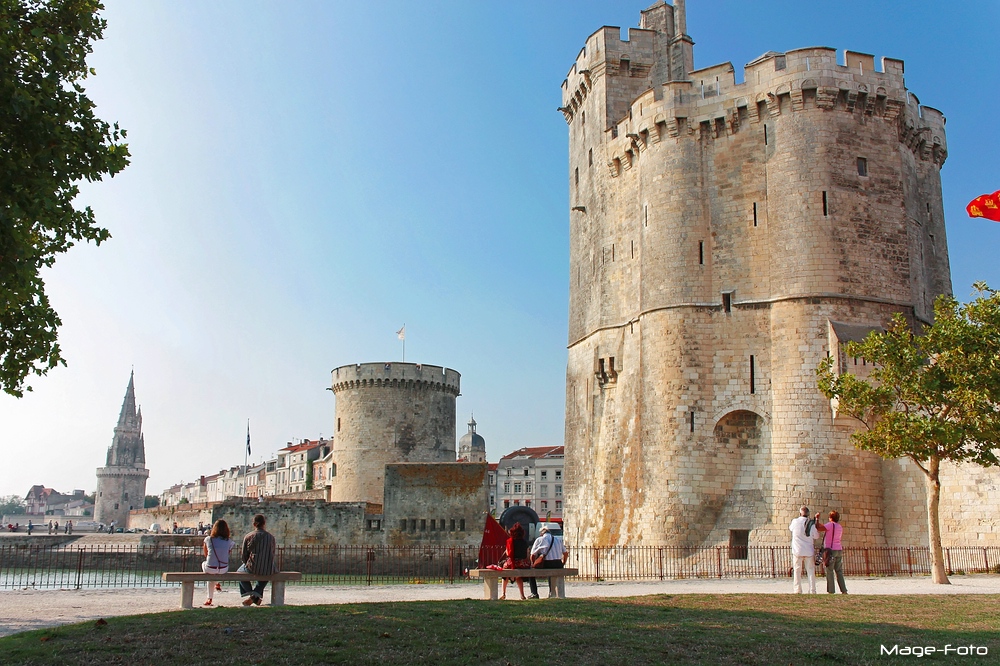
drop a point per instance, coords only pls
(491, 550)
(985, 205)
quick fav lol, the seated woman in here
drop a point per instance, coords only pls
(216, 548)
(517, 557)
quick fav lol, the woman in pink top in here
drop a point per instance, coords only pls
(831, 541)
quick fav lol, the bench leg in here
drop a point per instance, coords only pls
(187, 594)
(561, 587)
(490, 586)
(278, 593)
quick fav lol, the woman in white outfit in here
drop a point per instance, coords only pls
(216, 547)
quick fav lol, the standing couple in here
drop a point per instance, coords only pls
(805, 531)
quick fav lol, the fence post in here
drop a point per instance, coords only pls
(986, 560)
(947, 552)
(909, 560)
(718, 559)
(79, 568)
(774, 569)
(370, 557)
(451, 565)
(597, 563)
(868, 567)
(661, 562)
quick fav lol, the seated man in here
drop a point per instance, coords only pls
(550, 547)
(259, 557)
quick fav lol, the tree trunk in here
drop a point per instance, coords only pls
(939, 574)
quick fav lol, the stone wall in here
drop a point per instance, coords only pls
(717, 230)
(304, 522)
(442, 504)
(185, 515)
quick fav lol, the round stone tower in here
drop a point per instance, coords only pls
(472, 446)
(389, 413)
(725, 238)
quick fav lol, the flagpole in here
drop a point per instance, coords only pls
(246, 454)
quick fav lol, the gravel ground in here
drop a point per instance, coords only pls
(21, 610)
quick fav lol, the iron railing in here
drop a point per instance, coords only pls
(69, 567)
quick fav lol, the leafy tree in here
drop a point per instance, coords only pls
(50, 140)
(183, 500)
(931, 397)
(11, 505)
(151, 502)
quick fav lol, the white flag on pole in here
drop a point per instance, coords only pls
(401, 333)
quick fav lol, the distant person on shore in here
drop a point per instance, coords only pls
(834, 563)
(30, 527)
(57, 528)
(259, 557)
(216, 548)
(804, 531)
(50, 527)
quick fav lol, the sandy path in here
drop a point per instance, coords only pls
(21, 610)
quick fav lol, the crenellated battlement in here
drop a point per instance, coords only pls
(712, 105)
(400, 375)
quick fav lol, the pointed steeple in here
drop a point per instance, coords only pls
(128, 414)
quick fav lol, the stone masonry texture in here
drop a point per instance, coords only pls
(718, 231)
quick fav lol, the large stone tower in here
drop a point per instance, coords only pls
(389, 413)
(725, 237)
(121, 483)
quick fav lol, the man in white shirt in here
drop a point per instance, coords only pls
(550, 547)
(804, 531)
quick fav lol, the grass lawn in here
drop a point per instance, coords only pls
(662, 629)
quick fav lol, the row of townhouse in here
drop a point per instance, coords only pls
(292, 470)
(530, 477)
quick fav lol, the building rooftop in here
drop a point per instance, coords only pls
(536, 452)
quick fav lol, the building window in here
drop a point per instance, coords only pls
(558, 474)
(739, 544)
(506, 504)
(527, 488)
(423, 524)
(727, 302)
(517, 502)
(493, 500)
(526, 471)
(558, 506)
(508, 470)
(862, 166)
(527, 502)
(543, 491)
(544, 474)
(558, 490)
(116, 506)
(462, 525)
(452, 524)
(517, 488)
(545, 505)
(506, 486)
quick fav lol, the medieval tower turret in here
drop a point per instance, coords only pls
(725, 238)
(121, 483)
(389, 413)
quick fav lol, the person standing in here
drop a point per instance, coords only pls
(835, 563)
(550, 547)
(259, 557)
(216, 549)
(804, 531)
(30, 527)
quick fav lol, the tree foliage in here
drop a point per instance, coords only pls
(150, 502)
(12, 504)
(931, 397)
(50, 141)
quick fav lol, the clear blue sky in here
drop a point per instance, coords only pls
(308, 176)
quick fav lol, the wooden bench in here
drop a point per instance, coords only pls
(187, 580)
(491, 579)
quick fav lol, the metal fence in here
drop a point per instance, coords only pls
(71, 567)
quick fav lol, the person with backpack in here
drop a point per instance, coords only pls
(804, 532)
